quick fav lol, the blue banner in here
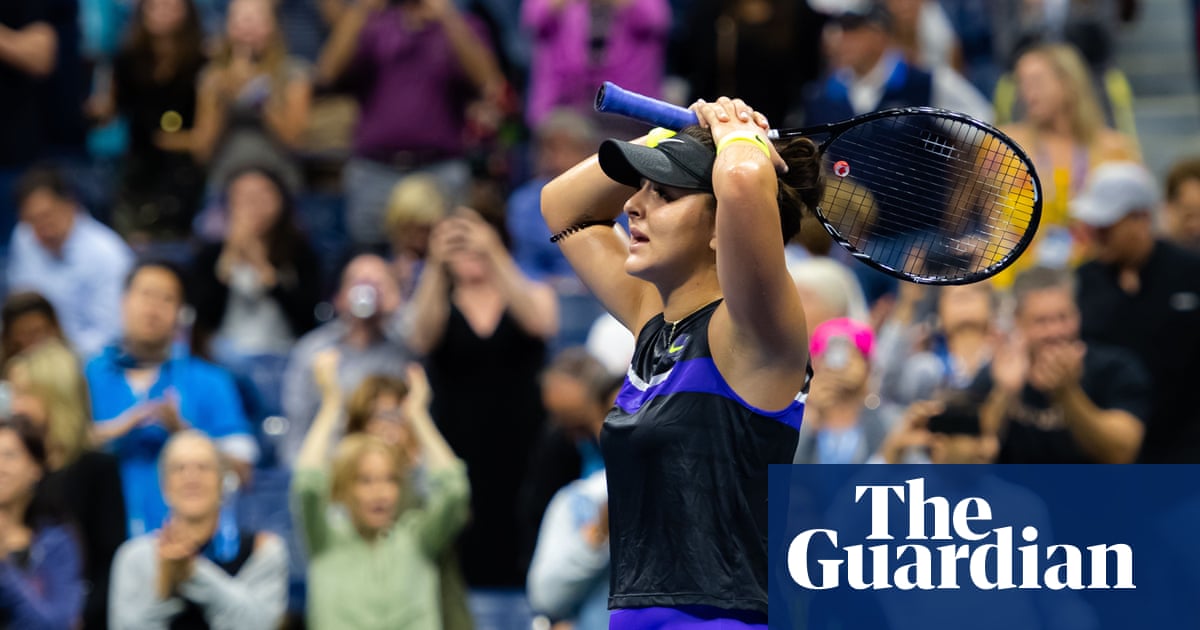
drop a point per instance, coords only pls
(984, 547)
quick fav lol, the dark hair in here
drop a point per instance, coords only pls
(362, 399)
(19, 305)
(1040, 279)
(189, 42)
(1182, 171)
(575, 362)
(800, 189)
(43, 510)
(163, 264)
(283, 237)
(42, 177)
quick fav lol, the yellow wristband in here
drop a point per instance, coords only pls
(745, 136)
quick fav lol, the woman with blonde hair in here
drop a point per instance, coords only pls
(253, 103)
(377, 567)
(415, 205)
(1065, 134)
(48, 387)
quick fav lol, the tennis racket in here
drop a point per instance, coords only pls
(922, 194)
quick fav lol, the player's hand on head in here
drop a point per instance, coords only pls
(728, 116)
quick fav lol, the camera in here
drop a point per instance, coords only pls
(837, 353)
(364, 301)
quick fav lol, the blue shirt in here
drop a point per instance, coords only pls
(84, 282)
(531, 246)
(208, 401)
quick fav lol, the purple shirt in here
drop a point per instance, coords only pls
(411, 88)
(563, 73)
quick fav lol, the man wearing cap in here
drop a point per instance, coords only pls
(1142, 294)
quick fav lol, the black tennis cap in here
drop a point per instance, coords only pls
(680, 161)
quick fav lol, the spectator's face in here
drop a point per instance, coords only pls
(962, 449)
(905, 13)
(557, 152)
(967, 307)
(163, 17)
(816, 310)
(860, 47)
(192, 479)
(468, 267)
(372, 271)
(1183, 215)
(570, 406)
(254, 204)
(1126, 242)
(151, 306)
(24, 400)
(840, 373)
(250, 24)
(19, 473)
(374, 493)
(1048, 317)
(30, 329)
(389, 423)
(412, 237)
(1042, 90)
(50, 217)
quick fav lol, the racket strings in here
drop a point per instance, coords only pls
(934, 197)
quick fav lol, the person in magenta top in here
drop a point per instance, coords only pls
(414, 66)
(579, 44)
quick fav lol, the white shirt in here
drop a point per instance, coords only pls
(950, 90)
(84, 282)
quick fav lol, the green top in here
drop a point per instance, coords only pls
(392, 583)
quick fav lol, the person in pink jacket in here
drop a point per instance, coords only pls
(579, 44)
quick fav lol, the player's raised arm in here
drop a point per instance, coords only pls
(580, 207)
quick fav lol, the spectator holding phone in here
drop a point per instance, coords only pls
(143, 391)
(366, 335)
(840, 426)
(1052, 398)
(939, 432)
(253, 102)
(413, 66)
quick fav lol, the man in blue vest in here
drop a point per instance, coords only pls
(867, 74)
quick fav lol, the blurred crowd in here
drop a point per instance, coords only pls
(285, 342)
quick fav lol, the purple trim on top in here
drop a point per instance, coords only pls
(682, 618)
(700, 376)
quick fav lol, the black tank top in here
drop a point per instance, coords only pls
(487, 403)
(687, 463)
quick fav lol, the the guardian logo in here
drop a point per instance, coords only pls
(982, 557)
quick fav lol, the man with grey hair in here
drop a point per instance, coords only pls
(1053, 399)
(1142, 294)
(199, 570)
(367, 333)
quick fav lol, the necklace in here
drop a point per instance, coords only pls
(674, 324)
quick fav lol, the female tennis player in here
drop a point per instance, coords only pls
(716, 388)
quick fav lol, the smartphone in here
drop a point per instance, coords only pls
(956, 419)
(5, 399)
(837, 353)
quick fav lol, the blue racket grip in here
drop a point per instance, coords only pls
(617, 100)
